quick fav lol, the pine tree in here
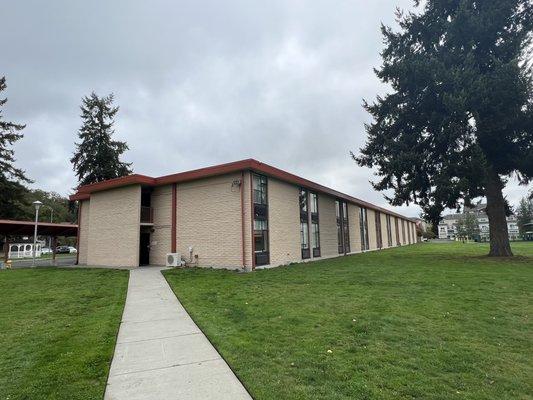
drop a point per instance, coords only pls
(524, 213)
(97, 156)
(459, 119)
(12, 179)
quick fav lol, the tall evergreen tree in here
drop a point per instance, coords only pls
(459, 119)
(12, 179)
(524, 213)
(97, 156)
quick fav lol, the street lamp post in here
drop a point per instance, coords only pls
(37, 205)
(51, 221)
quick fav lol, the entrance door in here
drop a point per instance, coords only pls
(144, 249)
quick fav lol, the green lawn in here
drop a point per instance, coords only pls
(431, 321)
(57, 331)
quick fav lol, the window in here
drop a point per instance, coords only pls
(389, 231)
(261, 246)
(260, 189)
(304, 239)
(314, 203)
(379, 237)
(343, 229)
(304, 223)
(261, 250)
(403, 231)
(260, 225)
(315, 239)
(315, 228)
(346, 232)
(363, 226)
(397, 228)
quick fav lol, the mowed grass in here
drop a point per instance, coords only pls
(429, 321)
(57, 331)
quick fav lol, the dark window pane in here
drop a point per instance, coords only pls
(303, 200)
(259, 241)
(260, 211)
(304, 235)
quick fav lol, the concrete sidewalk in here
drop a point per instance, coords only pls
(161, 354)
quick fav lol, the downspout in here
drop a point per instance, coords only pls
(242, 220)
(173, 213)
(78, 233)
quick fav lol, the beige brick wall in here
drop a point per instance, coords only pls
(372, 238)
(384, 230)
(355, 231)
(161, 237)
(284, 222)
(83, 245)
(209, 220)
(328, 226)
(114, 227)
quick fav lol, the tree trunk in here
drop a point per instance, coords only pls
(499, 237)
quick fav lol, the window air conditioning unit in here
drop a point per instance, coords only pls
(174, 260)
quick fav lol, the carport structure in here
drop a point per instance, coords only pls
(10, 228)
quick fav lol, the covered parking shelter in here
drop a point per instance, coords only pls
(12, 228)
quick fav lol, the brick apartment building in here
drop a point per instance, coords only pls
(244, 214)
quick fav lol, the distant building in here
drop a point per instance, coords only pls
(448, 225)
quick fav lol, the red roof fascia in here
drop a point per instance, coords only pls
(79, 196)
(248, 164)
(288, 177)
(84, 191)
(205, 172)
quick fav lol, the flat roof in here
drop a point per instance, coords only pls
(84, 192)
(12, 227)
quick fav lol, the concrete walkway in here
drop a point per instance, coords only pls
(161, 354)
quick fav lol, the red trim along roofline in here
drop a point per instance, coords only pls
(84, 192)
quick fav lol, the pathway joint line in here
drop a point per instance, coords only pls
(160, 338)
(170, 366)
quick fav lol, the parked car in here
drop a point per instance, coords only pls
(62, 250)
(46, 250)
(72, 250)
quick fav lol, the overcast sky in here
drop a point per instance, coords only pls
(199, 83)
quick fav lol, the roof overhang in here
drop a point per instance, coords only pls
(25, 228)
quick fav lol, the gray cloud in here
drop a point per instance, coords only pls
(199, 83)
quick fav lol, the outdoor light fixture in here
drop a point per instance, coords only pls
(37, 205)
